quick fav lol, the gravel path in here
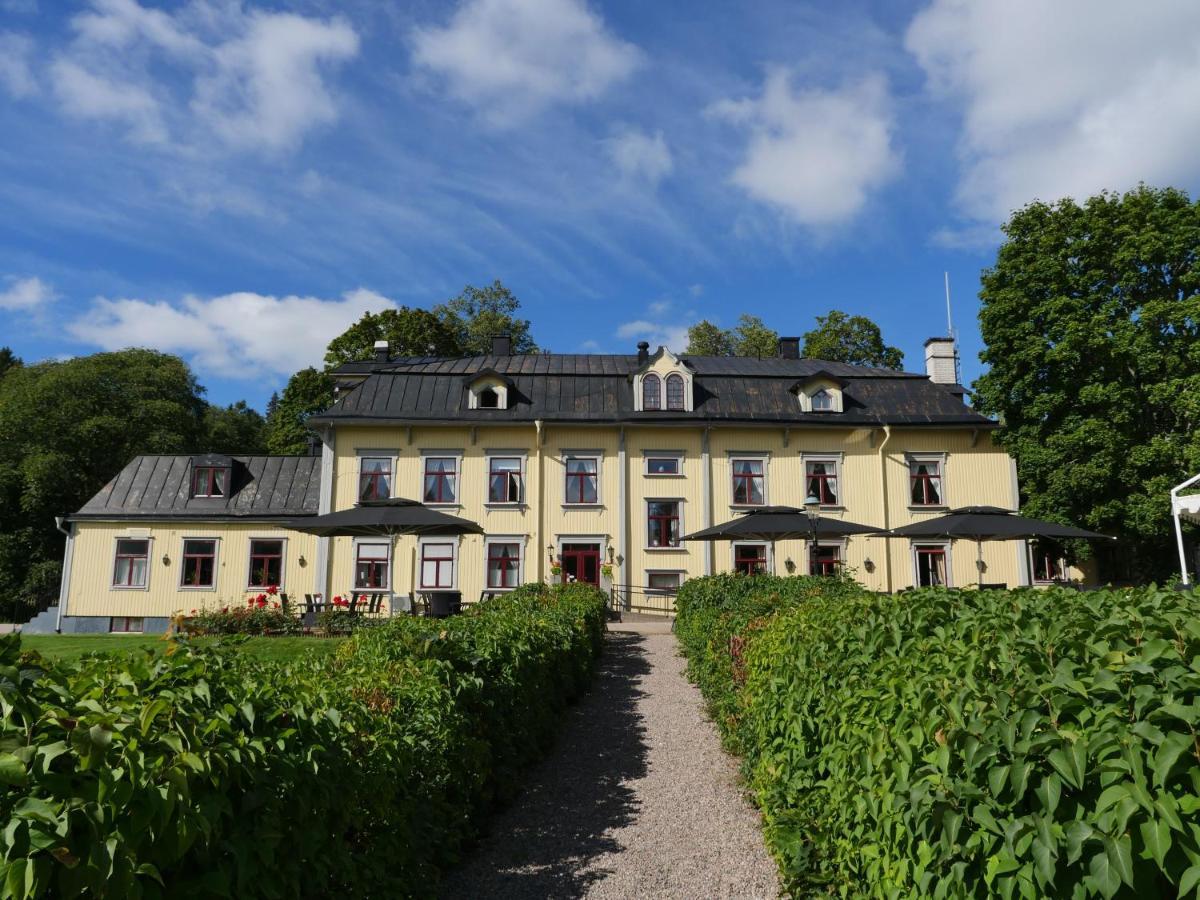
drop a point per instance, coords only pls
(637, 800)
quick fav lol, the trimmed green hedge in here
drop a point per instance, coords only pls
(205, 773)
(961, 743)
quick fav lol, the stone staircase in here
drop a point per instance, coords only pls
(42, 623)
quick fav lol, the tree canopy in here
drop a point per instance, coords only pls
(8, 360)
(234, 429)
(1091, 324)
(479, 314)
(707, 339)
(750, 337)
(856, 340)
(307, 392)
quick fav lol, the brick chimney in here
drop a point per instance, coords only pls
(941, 360)
(789, 348)
(501, 345)
(382, 351)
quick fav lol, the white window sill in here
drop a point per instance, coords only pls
(583, 506)
(666, 549)
(130, 587)
(201, 588)
(497, 504)
(454, 505)
(664, 475)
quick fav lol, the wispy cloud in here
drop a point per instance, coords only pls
(641, 157)
(671, 335)
(510, 59)
(25, 294)
(16, 72)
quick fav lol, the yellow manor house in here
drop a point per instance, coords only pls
(577, 467)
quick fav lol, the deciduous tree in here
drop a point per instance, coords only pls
(856, 340)
(234, 429)
(409, 332)
(478, 314)
(307, 392)
(707, 339)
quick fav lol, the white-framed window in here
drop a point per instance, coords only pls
(668, 386)
(503, 562)
(748, 480)
(506, 479)
(664, 524)
(372, 565)
(439, 564)
(266, 563)
(126, 624)
(752, 557)
(199, 569)
(441, 483)
(663, 581)
(663, 463)
(131, 564)
(1046, 562)
(931, 564)
(581, 486)
(488, 394)
(926, 479)
(819, 396)
(676, 388)
(375, 476)
(822, 478)
(651, 392)
(826, 558)
(822, 401)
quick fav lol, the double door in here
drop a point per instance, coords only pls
(581, 562)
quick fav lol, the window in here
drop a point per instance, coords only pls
(675, 392)
(821, 477)
(822, 401)
(931, 564)
(199, 563)
(437, 565)
(663, 465)
(662, 523)
(663, 582)
(925, 476)
(1047, 563)
(489, 399)
(371, 565)
(750, 559)
(126, 624)
(266, 563)
(504, 479)
(209, 481)
(374, 478)
(583, 479)
(826, 559)
(651, 392)
(749, 482)
(441, 479)
(132, 564)
(503, 564)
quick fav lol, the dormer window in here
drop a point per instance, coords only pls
(676, 391)
(820, 392)
(210, 481)
(822, 401)
(488, 390)
(489, 399)
(651, 392)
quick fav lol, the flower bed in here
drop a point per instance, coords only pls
(963, 743)
(212, 774)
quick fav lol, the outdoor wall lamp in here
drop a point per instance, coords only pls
(611, 553)
(166, 560)
(790, 565)
(550, 551)
(868, 564)
(303, 562)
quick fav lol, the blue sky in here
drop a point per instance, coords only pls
(237, 182)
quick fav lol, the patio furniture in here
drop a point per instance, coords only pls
(374, 605)
(490, 595)
(443, 604)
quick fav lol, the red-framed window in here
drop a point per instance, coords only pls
(662, 523)
(925, 476)
(441, 479)
(750, 559)
(266, 563)
(374, 478)
(583, 479)
(1047, 561)
(749, 482)
(651, 392)
(931, 565)
(822, 401)
(675, 392)
(199, 563)
(437, 565)
(826, 559)
(822, 478)
(503, 564)
(126, 624)
(504, 479)
(132, 566)
(370, 566)
(210, 481)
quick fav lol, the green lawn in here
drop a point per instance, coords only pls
(72, 646)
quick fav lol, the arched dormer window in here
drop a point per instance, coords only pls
(489, 399)
(651, 392)
(822, 401)
(675, 392)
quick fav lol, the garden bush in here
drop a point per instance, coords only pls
(1033, 743)
(202, 772)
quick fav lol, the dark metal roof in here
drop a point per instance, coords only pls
(159, 487)
(598, 388)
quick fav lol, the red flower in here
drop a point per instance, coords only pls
(193, 612)
(250, 601)
(262, 602)
(273, 589)
(224, 609)
(274, 606)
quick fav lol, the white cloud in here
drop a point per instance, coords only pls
(670, 335)
(253, 80)
(696, 290)
(815, 154)
(1065, 98)
(512, 58)
(15, 73)
(659, 307)
(641, 157)
(231, 335)
(26, 294)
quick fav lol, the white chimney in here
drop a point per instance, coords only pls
(382, 351)
(941, 360)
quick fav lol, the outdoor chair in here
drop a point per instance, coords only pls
(354, 601)
(375, 605)
(285, 604)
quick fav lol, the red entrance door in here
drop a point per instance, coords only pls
(581, 562)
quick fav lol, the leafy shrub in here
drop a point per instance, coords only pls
(249, 619)
(963, 743)
(202, 772)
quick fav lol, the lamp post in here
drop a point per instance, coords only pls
(812, 509)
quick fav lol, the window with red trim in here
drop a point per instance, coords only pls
(826, 559)
(675, 392)
(582, 479)
(441, 479)
(266, 564)
(370, 566)
(126, 624)
(374, 478)
(662, 523)
(822, 481)
(132, 563)
(199, 563)
(503, 564)
(749, 482)
(437, 565)
(931, 565)
(1048, 562)
(925, 477)
(504, 479)
(750, 559)
(209, 481)
(651, 392)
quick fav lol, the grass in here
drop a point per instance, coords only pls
(73, 646)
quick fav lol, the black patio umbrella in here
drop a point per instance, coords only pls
(779, 523)
(374, 518)
(990, 523)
